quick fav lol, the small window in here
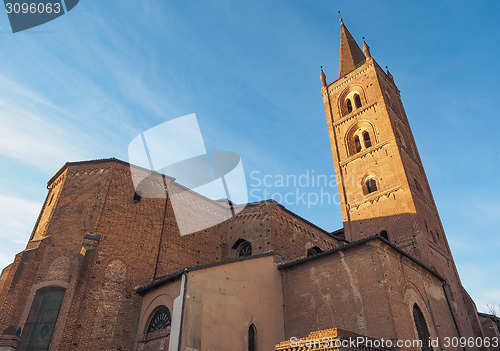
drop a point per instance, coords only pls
(349, 106)
(137, 197)
(160, 320)
(357, 100)
(313, 251)
(384, 235)
(245, 249)
(357, 143)
(366, 137)
(252, 338)
(371, 186)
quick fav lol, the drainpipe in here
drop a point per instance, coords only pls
(177, 316)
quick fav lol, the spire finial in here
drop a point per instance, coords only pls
(389, 75)
(366, 49)
(340, 18)
(322, 76)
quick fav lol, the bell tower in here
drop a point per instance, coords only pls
(381, 180)
(382, 185)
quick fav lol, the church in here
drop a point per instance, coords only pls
(106, 267)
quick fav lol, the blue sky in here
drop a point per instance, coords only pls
(84, 85)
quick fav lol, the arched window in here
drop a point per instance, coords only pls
(245, 249)
(357, 143)
(384, 235)
(42, 318)
(349, 105)
(252, 338)
(160, 319)
(313, 251)
(371, 186)
(421, 326)
(357, 101)
(366, 137)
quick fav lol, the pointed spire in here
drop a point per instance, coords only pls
(350, 53)
(389, 75)
(322, 76)
(366, 49)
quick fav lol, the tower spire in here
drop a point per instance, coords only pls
(323, 78)
(350, 53)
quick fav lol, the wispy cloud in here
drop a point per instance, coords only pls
(18, 217)
(28, 132)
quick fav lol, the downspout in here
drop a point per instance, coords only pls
(162, 228)
(178, 316)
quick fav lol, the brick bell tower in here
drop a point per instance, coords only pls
(381, 181)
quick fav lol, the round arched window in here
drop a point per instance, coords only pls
(349, 106)
(357, 100)
(159, 320)
(245, 249)
(371, 185)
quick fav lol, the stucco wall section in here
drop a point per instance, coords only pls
(232, 297)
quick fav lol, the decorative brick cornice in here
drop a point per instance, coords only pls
(355, 113)
(375, 196)
(361, 154)
(336, 85)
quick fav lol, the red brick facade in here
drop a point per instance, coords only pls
(90, 205)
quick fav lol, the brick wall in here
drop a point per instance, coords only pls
(368, 289)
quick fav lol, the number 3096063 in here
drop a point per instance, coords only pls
(41, 7)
